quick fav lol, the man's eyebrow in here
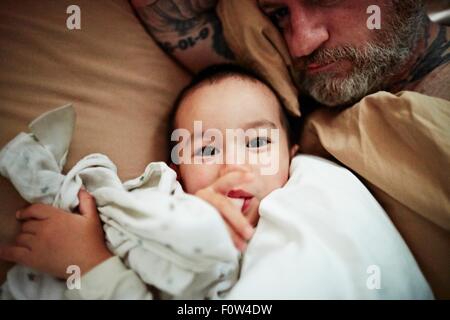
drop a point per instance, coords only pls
(260, 124)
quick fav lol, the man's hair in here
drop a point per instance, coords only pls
(214, 74)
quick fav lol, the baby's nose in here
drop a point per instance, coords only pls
(230, 167)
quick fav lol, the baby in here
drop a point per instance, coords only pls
(225, 100)
(228, 175)
(318, 228)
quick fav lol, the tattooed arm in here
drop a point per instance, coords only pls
(189, 30)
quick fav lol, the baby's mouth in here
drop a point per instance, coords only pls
(240, 198)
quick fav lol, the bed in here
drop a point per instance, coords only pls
(120, 82)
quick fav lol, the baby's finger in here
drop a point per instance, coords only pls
(232, 215)
(88, 208)
(253, 215)
(231, 181)
(238, 241)
(30, 226)
(36, 211)
(14, 254)
(25, 240)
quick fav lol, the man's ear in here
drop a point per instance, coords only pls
(294, 150)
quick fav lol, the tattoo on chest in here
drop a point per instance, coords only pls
(436, 55)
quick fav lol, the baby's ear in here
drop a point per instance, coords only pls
(294, 150)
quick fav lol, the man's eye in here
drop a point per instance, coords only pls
(258, 142)
(207, 151)
(278, 15)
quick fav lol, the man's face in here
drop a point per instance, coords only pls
(338, 58)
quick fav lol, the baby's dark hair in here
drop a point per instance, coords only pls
(218, 72)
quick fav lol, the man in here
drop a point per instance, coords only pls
(338, 61)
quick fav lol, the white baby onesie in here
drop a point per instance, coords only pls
(173, 241)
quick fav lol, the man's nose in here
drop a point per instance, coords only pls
(307, 32)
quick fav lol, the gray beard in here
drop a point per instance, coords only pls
(371, 67)
(373, 64)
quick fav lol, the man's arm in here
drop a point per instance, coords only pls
(188, 30)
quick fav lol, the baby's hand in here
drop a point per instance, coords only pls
(239, 227)
(51, 239)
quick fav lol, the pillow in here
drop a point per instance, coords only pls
(118, 80)
(257, 44)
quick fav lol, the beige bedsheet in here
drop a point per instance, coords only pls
(120, 83)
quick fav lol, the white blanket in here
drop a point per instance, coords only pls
(174, 241)
(323, 236)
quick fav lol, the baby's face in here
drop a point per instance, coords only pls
(230, 107)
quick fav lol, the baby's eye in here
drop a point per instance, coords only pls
(207, 151)
(258, 142)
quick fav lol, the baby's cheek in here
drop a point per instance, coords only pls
(196, 177)
(275, 180)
